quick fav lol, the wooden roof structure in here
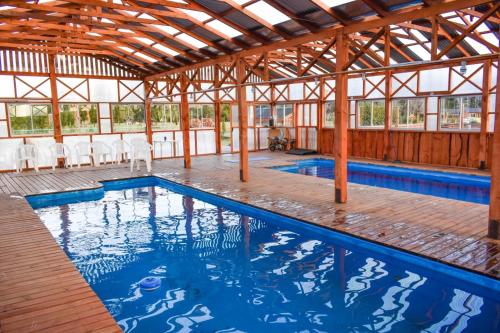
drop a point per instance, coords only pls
(290, 37)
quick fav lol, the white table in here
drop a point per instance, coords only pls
(161, 143)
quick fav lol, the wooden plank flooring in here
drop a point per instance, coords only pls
(40, 290)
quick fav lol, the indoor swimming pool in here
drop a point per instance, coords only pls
(449, 185)
(223, 266)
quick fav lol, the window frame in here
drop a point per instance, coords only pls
(202, 127)
(31, 104)
(460, 129)
(419, 129)
(292, 105)
(257, 120)
(164, 104)
(112, 116)
(324, 114)
(98, 131)
(358, 113)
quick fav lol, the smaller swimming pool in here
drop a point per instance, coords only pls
(449, 185)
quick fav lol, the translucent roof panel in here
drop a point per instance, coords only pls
(165, 49)
(145, 57)
(334, 3)
(267, 12)
(224, 28)
(193, 41)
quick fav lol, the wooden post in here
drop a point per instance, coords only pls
(494, 218)
(217, 110)
(341, 109)
(185, 121)
(55, 104)
(321, 106)
(388, 93)
(148, 118)
(485, 109)
(54, 99)
(241, 94)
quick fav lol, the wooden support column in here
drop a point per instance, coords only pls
(434, 37)
(485, 109)
(388, 92)
(241, 95)
(341, 113)
(185, 121)
(147, 108)
(54, 99)
(321, 106)
(494, 217)
(217, 110)
(148, 118)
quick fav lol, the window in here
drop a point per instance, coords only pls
(201, 116)
(262, 114)
(128, 118)
(78, 118)
(329, 116)
(165, 117)
(460, 113)
(284, 115)
(371, 113)
(408, 113)
(30, 119)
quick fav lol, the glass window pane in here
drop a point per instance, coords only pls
(30, 119)
(201, 116)
(165, 117)
(284, 115)
(329, 114)
(78, 118)
(128, 118)
(461, 113)
(408, 113)
(371, 113)
(262, 114)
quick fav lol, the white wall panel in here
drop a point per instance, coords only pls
(43, 146)
(103, 90)
(8, 149)
(7, 84)
(206, 142)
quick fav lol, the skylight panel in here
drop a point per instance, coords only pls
(193, 41)
(267, 12)
(126, 31)
(6, 7)
(145, 57)
(420, 52)
(241, 2)
(165, 49)
(105, 20)
(166, 28)
(200, 16)
(478, 47)
(334, 3)
(146, 16)
(126, 49)
(144, 40)
(224, 28)
(419, 36)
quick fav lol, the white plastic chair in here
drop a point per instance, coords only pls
(100, 152)
(122, 150)
(141, 151)
(26, 153)
(60, 150)
(84, 149)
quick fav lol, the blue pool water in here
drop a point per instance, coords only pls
(228, 267)
(449, 185)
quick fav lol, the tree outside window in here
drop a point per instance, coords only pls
(128, 118)
(165, 117)
(408, 113)
(461, 113)
(329, 116)
(371, 113)
(78, 118)
(30, 119)
(201, 116)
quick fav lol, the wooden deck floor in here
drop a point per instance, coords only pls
(41, 290)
